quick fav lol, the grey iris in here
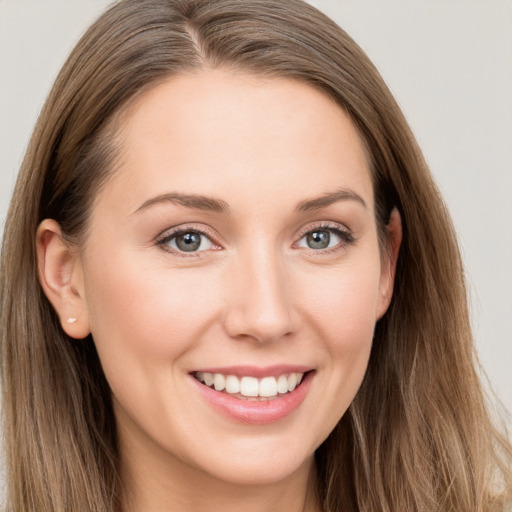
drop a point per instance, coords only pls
(188, 242)
(318, 239)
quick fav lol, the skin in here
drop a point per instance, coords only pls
(257, 294)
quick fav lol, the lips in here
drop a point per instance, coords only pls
(252, 395)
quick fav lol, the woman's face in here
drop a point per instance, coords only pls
(235, 242)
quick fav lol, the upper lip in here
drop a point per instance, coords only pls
(255, 371)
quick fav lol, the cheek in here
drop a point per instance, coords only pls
(339, 308)
(343, 303)
(144, 317)
(343, 311)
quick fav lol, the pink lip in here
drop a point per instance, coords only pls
(255, 412)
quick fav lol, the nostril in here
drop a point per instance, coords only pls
(262, 327)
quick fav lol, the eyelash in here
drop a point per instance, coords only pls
(174, 233)
(345, 236)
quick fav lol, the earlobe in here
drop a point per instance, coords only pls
(61, 277)
(388, 269)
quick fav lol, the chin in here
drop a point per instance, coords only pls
(262, 471)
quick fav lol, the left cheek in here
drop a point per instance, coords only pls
(350, 325)
(344, 303)
(342, 313)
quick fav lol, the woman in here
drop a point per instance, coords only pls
(219, 287)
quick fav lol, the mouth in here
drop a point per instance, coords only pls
(251, 388)
(252, 395)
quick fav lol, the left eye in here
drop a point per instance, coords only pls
(319, 239)
(188, 241)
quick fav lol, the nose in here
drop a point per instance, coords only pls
(260, 305)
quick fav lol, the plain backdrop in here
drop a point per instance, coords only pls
(449, 63)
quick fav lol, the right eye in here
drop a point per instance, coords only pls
(186, 241)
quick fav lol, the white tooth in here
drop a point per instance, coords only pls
(282, 384)
(208, 379)
(232, 384)
(200, 376)
(292, 381)
(299, 378)
(268, 386)
(249, 386)
(219, 382)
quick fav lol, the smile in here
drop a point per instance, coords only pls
(252, 395)
(251, 387)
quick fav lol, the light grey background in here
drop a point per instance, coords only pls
(449, 64)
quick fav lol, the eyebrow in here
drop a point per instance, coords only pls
(195, 201)
(342, 194)
(211, 204)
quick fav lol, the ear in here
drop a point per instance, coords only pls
(61, 276)
(389, 259)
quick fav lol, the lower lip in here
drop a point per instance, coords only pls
(257, 411)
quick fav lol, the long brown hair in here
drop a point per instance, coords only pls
(417, 437)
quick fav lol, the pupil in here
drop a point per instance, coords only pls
(319, 239)
(188, 242)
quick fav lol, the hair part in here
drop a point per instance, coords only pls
(417, 437)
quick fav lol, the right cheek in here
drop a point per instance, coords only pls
(155, 312)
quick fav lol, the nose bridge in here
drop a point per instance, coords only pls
(260, 305)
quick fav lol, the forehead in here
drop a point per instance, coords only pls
(212, 131)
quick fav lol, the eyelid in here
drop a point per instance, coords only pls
(327, 225)
(167, 235)
(345, 234)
